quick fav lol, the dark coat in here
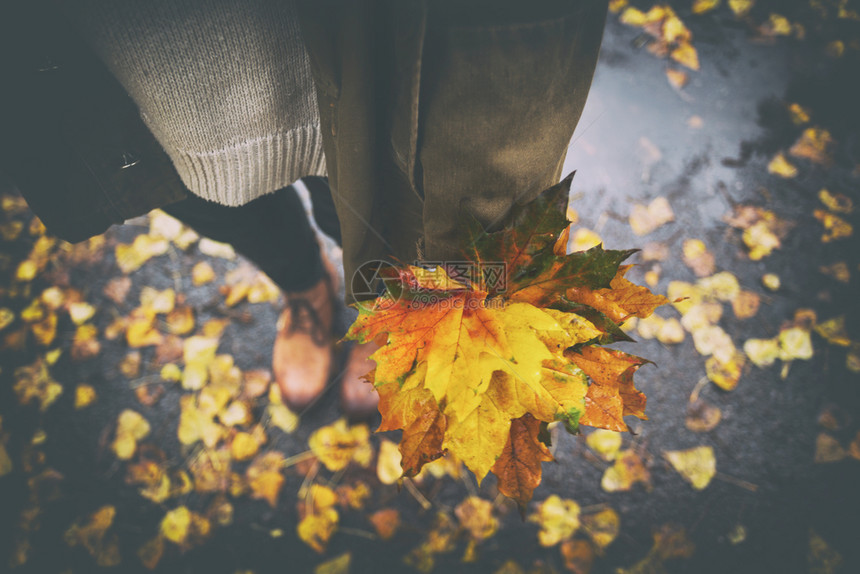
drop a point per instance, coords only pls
(427, 108)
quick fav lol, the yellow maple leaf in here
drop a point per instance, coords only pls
(702, 6)
(338, 444)
(195, 424)
(814, 144)
(85, 395)
(781, 166)
(626, 471)
(476, 516)
(144, 247)
(175, 525)
(741, 7)
(645, 219)
(605, 443)
(602, 527)
(320, 518)
(34, 383)
(388, 467)
(621, 300)
(130, 428)
(697, 465)
(835, 227)
(686, 55)
(264, 477)
(477, 368)
(558, 519)
(836, 202)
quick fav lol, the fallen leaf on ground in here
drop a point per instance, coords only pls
(771, 281)
(605, 443)
(34, 383)
(338, 565)
(558, 519)
(822, 558)
(441, 539)
(725, 373)
(151, 551)
(130, 258)
(602, 527)
(833, 330)
(81, 312)
(476, 516)
(216, 249)
(645, 219)
(702, 6)
(836, 202)
(677, 78)
(627, 470)
(838, 271)
(176, 524)
(130, 428)
(388, 468)
(584, 239)
(163, 225)
(828, 449)
(6, 464)
(338, 444)
(141, 329)
(834, 226)
(386, 522)
(670, 542)
(746, 304)
(698, 258)
(93, 535)
(722, 286)
(815, 144)
(578, 556)
(320, 518)
(702, 416)
(697, 465)
(686, 55)
(780, 166)
(130, 364)
(264, 477)
(85, 395)
(776, 25)
(202, 273)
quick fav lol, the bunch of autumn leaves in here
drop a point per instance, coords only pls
(479, 371)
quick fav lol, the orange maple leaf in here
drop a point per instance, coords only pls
(477, 368)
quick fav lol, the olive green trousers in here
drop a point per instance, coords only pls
(433, 107)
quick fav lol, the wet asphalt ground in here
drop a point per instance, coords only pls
(633, 144)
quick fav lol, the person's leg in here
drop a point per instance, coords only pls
(274, 233)
(323, 207)
(358, 398)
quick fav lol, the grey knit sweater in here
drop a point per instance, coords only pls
(224, 86)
